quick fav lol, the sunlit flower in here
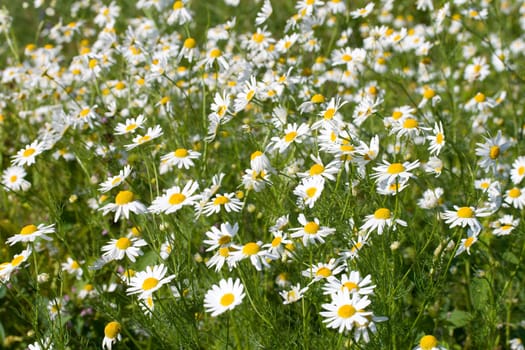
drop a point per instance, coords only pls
(352, 282)
(30, 233)
(381, 219)
(145, 283)
(130, 126)
(179, 14)
(310, 231)
(27, 155)
(224, 296)
(116, 249)
(515, 197)
(295, 293)
(116, 180)
(345, 311)
(505, 225)
(462, 216)
(13, 179)
(394, 172)
(218, 238)
(225, 201)
(124, 203)
(323, 271)
(518, 170)
(180, 158)
(309, 191)
(175, 198)
(111, 334)
(490, 151)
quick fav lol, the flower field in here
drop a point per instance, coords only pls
(262, 174)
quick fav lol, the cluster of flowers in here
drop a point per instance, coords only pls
(330, 125)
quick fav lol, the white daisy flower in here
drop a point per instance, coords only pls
(394, 172)
(111, 334)
(311, 231)
(345, 311)
(226, 201)
(323, 270)
(224, 296)
(30, 233)
(252, 250)
(292, 134)
(309, 191)
(145, 283)
(13, 179)
(381, 219)
(175, 198)
(352, 282)
(130, 126)
(151, 134)
(518, 170)
(505, 225)
(27, 155)
(515, 197)
(124, 203)
(222, 237)
(115, 181)
(295, 293)
(180, 158)
(462, 216)
(116, 249)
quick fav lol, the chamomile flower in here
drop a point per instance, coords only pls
(295, 293)
(505, 225)
(181, 158)
(516, 344)
(352, 282)
(224, 296)
(381, 219)
(409, 127)
(319, 169)
(245, 96)
(130, 126)
(346, 311)
(188, 50)
(330, 116)
(311, 231)
(491, 151)
(218, 238)
(27, 155)
(518, 170)
(277, 247)
(437, 139)
(73, 267)
(252, 250)
(179, 14)
(124, 203)
(322, 271)
(150, 135)
(255, 180)
(13, 179)
(225, 201)
(115, 181)
(7, 268)
(259, 162)
(431, 198)
(429, 342)
(215, 55)
(175, 198)
(116, 249)
(264, 13)
(309, 191)
(222, 256)
(30, 233)
(515, 197)
(462, 216)
(145, 283)
(111, 334)
(293, 133)
(394, 172)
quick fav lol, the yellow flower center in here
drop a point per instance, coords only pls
(317, 98)
(350, 286)
(144, 138)
(176, 198)
(410, 123)
(131, 127)
(465, 213)
(181, 153)
(28, 152)
(92, 63)
(506, 227)
(112, 329)
(396, 115)
(428, 342)
(276, 241)
(250, 95)
(255, 155)
(17, 261)
(316, 169)
(311, 192)
(189, 43)
(382, 214)
(250, 248)
(120, 85)
(494, 152)
(346, 311)
(258, 37)
(429, 93)
(347, 57)
(88, 287)
(74, 265)
(224, 240)
(177, 5)
(479, 97)
(514, 193)
(329, 113)
(395, 168)
(439, 138)
(13, 178)
(521, 170)
(29, 229)
(311, 228)
(123, 197)
(150, 283)
(116, 180)
(227, 299)
(215, 53)
(221, 200)
(324, 272)
(123, 243)
(290, 136)
(224, 252)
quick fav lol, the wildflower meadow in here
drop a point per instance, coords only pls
(262, 174)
